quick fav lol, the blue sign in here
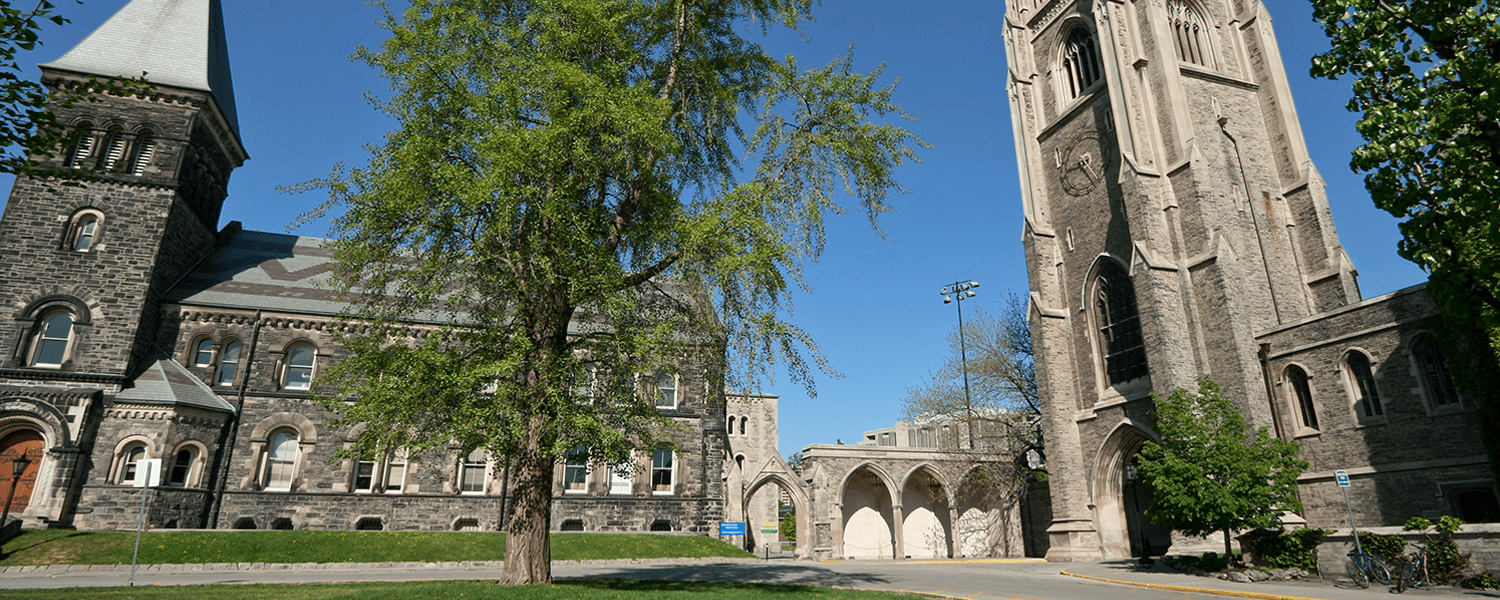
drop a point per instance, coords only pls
(1342, 477)
(731, 528)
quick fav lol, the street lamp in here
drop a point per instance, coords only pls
(17, 467)
(956, 294)
(1133, 477)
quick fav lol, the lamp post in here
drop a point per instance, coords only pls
(1133, 477)
(956, 294)
(17, 468)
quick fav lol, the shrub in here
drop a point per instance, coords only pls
(1482, 581)
(1385, 547)
(1445, 564)
(1295, 548)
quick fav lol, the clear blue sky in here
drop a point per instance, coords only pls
(874, 304)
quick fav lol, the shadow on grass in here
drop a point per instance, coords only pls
(44, 542)
(749, 574)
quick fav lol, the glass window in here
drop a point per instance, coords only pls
(1303, 394)
(621, 483)
(130, 465)
(229, 363)
(1080, 62)
(203, 353)
(85, 228)
(299, 367)
(364, 476)
(666, 390)
(52, 341)
(1115, 315)
(395, 472)
(661, 470)
(576, 469)
(182, 467)
(281, 459)
(1367, 398)
(1188, 33)
(1434, 372)
(472, 473)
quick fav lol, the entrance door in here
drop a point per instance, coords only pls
(28, 443)
(1146, 538)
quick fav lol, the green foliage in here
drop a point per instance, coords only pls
(1482, 581)
(1295, 548)
(1427, 82)
(1211, 472)
(578, 589)
(1445, 563)
(1388, 548)
(788, 526)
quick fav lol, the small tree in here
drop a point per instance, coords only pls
(1210, 472)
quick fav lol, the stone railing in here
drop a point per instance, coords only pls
(1480, 540)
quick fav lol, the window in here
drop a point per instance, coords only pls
(472, 473)
(145, 148)
(576, 470)
(1080, 63)
(731, 425)
(588, 381)
(51, 347)
(621, 478)
(571, 525)
(364, 476)
(83, 230)
(1188, 33)
(281, 459)
(229, 363)
(182, 467)
(666, 390)
(395, 472)
(282, 524)
(203, 353)
(299, 367)
(245, 523)
(1120, 342)
(744, 425)
(661, 525)
(114, 144)
(1362, 383)
(1302, 392)
(83, 146)
(661, 471)
(369, 524)
(130, 463)
(466, 525)
(1433, 371)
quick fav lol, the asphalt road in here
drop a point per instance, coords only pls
(979, 581)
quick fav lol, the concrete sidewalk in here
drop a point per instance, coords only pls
(1330, 587)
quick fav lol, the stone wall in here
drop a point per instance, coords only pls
(1480, 541)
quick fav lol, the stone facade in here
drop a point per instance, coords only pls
(1175, 227)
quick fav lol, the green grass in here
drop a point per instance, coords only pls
(469, 590)
(56, 546)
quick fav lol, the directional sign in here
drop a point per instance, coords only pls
(1342, 477)
(768, 527)
(731, 528)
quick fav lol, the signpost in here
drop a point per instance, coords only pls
(1342, 478)
(147, 475)
(732, 528)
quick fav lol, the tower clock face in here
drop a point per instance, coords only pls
(1082, 166)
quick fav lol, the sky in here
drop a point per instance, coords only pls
(873, 303)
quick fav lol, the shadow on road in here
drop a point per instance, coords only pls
(776, 573)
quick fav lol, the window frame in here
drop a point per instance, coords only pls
(40, 339)
(1299, 396)
(82, 147)
(126, 469)
(576, 470)
(616, 478)
(1363, 387)
(271, 460)
(223, 356)
(287, 368)
(85, 223)
(1188, 26)
(468, 463)
(670, 470)
(1080, 68)
(192, 471)
(1111, 294)
(142, 151)
(660, 390)
(1434, 379)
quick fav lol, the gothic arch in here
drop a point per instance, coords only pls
(1108, 486)
(927, 514)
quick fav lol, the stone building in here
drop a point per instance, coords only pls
(1175, 226)
(146, 337)
(751, 427)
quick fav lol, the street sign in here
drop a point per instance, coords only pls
(732, 528)
(768, 528)
(147, 473)
(1342, 477)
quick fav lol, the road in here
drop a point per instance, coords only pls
(976, 580)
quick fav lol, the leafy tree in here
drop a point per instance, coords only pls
(27, 130)
(1210, 472)
(1427, 82)
(574, 162)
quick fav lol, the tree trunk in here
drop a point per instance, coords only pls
(1228, 550)
(528, 551)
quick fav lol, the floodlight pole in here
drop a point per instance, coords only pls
(962, 290)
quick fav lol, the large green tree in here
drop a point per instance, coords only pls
(1210, 472)
(28, 131)
(1427, 84)
(578, 162)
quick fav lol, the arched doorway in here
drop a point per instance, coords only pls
(989, 515)
(1122, 499)
(869, 530)
(926, 520)
(14, 445)
(784, 487)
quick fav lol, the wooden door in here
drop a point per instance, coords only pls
(14, 445)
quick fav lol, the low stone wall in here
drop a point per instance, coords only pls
(1481, 541)
(119, 507)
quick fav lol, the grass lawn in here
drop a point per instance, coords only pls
(57, 546)
(469, 590)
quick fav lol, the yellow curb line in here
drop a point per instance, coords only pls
(975, 561)
(1195, 590)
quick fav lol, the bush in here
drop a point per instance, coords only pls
(1389, 548)
(1445, 564)
(1295, 548)
(1482, 581)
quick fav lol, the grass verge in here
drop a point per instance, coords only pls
(56, 546)
(592, 589)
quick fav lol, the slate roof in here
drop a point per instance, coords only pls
(176, 42)
(166, 382)
(267, 271)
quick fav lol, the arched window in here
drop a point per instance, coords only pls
(114, 145)
(300, 360)
(130, 463)
(1080, 62)
(83, 230)
(576, 469)
(1434, 372)
(1302, 392)
(145, 148)
(1189, 33)
(1361, 380)
(229, 363)
(182, 467)
(53, 337)
(203, 353)
(731, 425)
(1119, 326)
(744, 425)
(666, 390)
(83, 146)
(281, 460)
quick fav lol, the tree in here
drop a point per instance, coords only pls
(27, 129)
(1427, 82)
(573, 162)
(1210, 472)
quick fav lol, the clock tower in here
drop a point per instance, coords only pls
(1172, 214)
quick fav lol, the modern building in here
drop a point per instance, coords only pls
(146, 337)
(1175, 226)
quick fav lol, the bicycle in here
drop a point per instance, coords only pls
(1414, 572)
(1362, 568)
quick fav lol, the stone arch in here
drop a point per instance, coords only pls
(1123, 529)
(926, 511)
(869, 507)
(801, 503)
(308, 433)
(986, 524)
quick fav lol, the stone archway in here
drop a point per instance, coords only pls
(988, 513)
(1121, 499)
(868, 515)
(926, 516)
(779, 473)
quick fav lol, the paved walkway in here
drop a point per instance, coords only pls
(1329, 587)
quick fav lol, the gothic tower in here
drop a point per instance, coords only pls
(87, 264)
(1171, 214)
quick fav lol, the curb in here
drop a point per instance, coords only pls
(1195, 590)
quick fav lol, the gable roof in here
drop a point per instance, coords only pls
(266, 271)
(179, 43)
(165, 381)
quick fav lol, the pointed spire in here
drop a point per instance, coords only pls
(178, 43)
